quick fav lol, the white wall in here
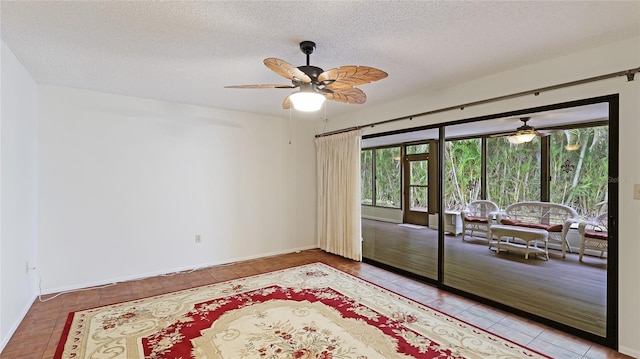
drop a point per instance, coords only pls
(125, 184)
(614, 57)
(18, 166)
(302, 178)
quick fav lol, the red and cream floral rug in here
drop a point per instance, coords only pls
(311, 311)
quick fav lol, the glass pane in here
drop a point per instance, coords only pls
(419, 176)
(578, 177)
(419, 171)
(463, 168)
(579, 169)
(388, 186)
(366, 168)
(417, 149)
(513, 171)
(418, 198)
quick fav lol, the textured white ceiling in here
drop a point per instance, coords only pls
(187, 51)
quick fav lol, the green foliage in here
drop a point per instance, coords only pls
(417, 149)
(579, 169)
(578, 177)
(578, 172)
(419, 191)
(463, 166)
(388, 177)
(513, 171)
(386, 182)
(366, 178)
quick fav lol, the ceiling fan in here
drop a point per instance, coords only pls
(524, 133)
(316, 85)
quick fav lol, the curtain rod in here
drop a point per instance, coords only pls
(630, 74)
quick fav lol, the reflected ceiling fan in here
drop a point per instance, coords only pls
(316, 85)
(524, 133)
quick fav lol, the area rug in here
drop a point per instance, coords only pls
(312, 311)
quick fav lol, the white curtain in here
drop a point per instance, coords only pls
(339, 228)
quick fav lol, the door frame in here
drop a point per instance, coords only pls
(409, 216)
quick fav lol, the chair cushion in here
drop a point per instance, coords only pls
(555, 228)
(509, 221)
(548, 227)
(597, 235)
(534, 225)
(476, 219)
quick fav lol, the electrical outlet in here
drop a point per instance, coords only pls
(636, 191)
(198, 238)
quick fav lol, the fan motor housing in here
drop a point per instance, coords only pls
(311, 71)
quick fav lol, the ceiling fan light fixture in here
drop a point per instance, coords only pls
(522, 137)
(525, 133)
(307, 101)
(525, 136)
(513, 140)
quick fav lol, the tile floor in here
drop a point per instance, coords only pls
(38, 335)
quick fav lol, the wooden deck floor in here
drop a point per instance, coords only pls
(564, 290)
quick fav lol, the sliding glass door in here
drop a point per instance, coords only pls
(566, 165)
(401, 233)
(571, 161)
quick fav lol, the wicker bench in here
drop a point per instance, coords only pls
(523, 217)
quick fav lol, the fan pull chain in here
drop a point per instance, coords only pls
(325, 111)
(326, 120)
(290, 124)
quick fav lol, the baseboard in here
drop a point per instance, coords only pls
(382, 219)
(634, 353)
(171, 271)
(15, 325)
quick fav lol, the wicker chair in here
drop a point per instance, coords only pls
(594, 235)
(477, 217)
